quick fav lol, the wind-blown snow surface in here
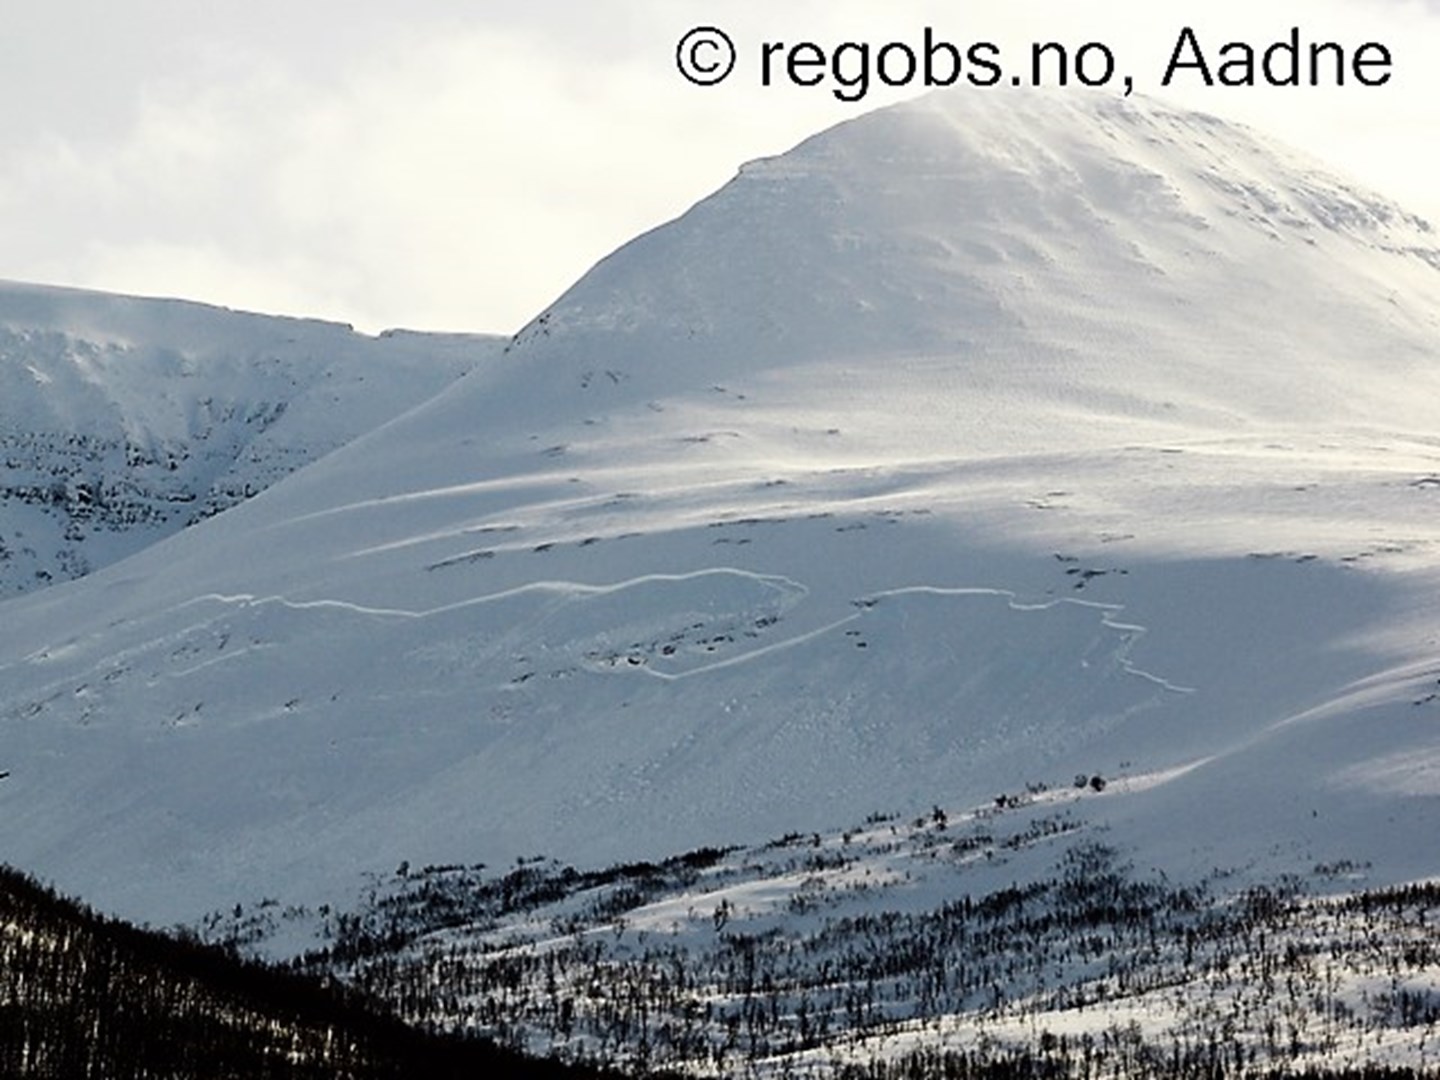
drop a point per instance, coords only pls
(122, 420)
(980, 441)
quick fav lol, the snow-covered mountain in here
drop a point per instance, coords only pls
(123, 420)
(973, 444)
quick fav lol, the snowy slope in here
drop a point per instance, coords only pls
(123, 420)
(973, 443)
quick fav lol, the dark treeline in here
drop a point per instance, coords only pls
(85, 996)
(1050, 1064)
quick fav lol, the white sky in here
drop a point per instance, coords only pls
(455, 164)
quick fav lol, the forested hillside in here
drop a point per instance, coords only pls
(83, 996)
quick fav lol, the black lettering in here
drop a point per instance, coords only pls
(951, 57)
(1188, 42)
(1037, 52)
(1108, 61)
(1239, 66)
(1382, 61)
(1316, 52)
(1288, 52)
(859, 83)
(882, 64)
(984, 55)
(805, 54)
(767, 50)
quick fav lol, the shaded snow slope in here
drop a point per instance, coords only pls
(980, 441)
(122, 420)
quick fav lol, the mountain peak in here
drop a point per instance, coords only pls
(1050, 247)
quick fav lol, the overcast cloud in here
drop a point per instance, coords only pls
(456, 165)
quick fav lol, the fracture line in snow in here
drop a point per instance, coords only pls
(1107, 612)
(1107, 618)
(777, 582)
(1131, 632)
(250, 600)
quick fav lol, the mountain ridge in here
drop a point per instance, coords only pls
(934, 474)
(126, 419)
